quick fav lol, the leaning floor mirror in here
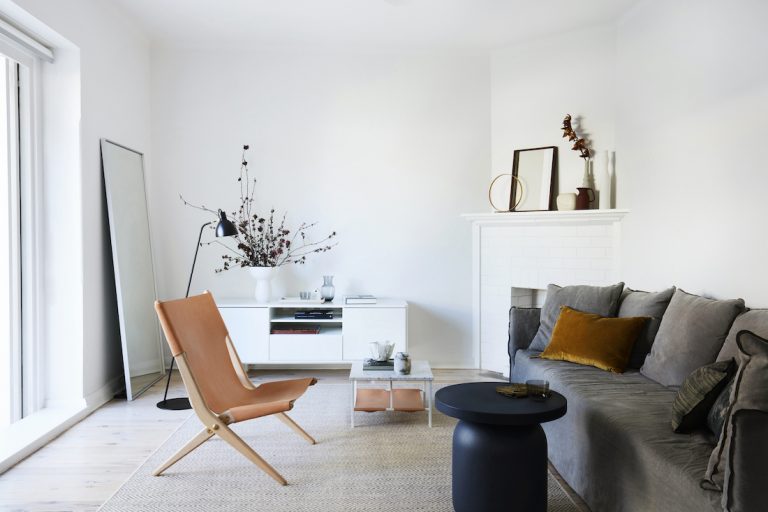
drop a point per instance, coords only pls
(123, 170)
(533, 178)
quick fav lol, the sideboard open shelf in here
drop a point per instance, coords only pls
(341, 339)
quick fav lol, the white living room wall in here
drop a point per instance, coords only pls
(679, 90)
(692, 106)
(113, 81)
(534, 85)
(386, 149)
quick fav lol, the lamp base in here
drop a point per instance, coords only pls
(174, 404)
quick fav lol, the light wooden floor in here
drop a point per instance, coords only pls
(83, 467)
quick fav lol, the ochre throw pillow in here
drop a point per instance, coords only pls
(594, 340)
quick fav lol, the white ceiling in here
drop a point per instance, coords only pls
(385, 24)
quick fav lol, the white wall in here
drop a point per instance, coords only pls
(385, 149)
(534, 85)
(683, 90)
(692, 86)
(114, 68)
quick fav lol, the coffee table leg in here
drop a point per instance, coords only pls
(495, 464)
(429, 402)
(352, 413)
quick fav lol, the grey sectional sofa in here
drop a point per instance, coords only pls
(615, 446)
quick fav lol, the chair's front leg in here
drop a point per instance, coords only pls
(193, 443)
(296, 428)
(238, 444)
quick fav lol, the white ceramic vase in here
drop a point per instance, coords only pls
(263, 276)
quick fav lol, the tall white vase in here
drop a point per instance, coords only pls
(263, 277)
(603, 180)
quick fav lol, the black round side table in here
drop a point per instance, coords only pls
(499, 447)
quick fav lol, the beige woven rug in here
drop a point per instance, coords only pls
(389, 461)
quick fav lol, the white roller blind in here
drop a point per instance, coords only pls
(26, 41)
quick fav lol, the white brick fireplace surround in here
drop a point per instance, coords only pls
(516, 255)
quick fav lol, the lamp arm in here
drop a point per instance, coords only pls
(194, 260)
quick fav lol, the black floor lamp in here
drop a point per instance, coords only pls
(223, 228)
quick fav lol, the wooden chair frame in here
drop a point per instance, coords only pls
(218, 424)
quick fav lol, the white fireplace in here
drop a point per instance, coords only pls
(516, 255)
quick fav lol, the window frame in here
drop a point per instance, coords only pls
(24, 161)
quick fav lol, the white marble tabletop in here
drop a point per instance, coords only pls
(420, 370)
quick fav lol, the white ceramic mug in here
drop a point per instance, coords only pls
(566, 202)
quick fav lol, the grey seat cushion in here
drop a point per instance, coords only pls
(691, 335)
(615, 447)
(600, 300)
(754, 320)
(648, 304)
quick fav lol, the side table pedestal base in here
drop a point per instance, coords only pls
(499, 468)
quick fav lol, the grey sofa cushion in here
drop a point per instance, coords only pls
(698, 393)
(648, 304)
(716, 414)
(754, 320)
(691, 335)
(614, 447)
(523, 324)
(730, 462)
(600, 300)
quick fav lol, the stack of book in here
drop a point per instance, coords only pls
(373, 364)
(292, 330)
(360, 299)
(314, 314)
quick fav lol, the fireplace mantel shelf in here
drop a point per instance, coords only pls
(573, 216)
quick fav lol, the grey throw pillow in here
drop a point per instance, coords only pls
(697, 395)
(648, 304)
(716, 415)
(691, 334)
(738, 458)
(600, 300)
(754, 320)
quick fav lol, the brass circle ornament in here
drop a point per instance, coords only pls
(519, 196)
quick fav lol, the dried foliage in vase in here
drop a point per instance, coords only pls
(580, 144)
(264, 241)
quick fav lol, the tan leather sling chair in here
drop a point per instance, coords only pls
(218, 387)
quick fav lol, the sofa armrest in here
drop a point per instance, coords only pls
(523, 325)
(747, 464)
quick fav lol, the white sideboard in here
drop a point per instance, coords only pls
(343, 339)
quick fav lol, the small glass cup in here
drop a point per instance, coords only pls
(305, 295)
(537, 389)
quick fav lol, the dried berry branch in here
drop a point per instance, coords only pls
(580, 144)
(262, 241)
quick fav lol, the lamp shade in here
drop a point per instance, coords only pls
(225, 226)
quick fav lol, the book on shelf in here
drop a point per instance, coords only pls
(311, 330)
(373, 364)
(360, 299)
(315, 314)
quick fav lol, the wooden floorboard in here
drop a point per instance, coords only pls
(82, 468)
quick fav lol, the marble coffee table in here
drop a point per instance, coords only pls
(392, 399)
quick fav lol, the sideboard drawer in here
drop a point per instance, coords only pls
(304, 347)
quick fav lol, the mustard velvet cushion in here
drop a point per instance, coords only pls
(594, 340)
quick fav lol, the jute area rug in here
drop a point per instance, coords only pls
(388, 462)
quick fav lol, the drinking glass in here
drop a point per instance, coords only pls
(537, 389)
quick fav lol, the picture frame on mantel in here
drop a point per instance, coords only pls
(534, 173)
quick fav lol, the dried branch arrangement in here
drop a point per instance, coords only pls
(580, 144)
(264, 241)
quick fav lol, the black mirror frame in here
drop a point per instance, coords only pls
(552, 179)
